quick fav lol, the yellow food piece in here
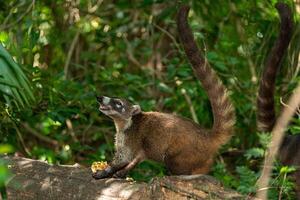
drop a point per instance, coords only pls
(99, 166)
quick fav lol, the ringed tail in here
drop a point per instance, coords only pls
(222, 108)
(266, 115)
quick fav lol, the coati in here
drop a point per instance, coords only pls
(289, 151)
(182, 145)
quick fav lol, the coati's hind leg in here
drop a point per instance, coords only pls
(187, 163)
(204, 169)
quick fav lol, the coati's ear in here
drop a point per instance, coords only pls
(136, 109)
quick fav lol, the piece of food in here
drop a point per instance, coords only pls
(99, 166)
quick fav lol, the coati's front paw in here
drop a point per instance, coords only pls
(100, 174)
(120, 174)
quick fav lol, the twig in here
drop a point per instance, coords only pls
(8, 17)
(20, 18)
(71, 130)
(188, 100)
(85, 130)
(285, 105)
(70, 53)
(241, 32)
(168, 34)
(21, 139)
(92, 10)
(94, 14)
(277, 135)
(297, 69)
(282, 103)
(38, 135)
(130, 54)
(95, 7)
(281, 188)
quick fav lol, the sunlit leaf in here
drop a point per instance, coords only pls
(6, 148)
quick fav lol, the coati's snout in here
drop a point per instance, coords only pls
(117, 108)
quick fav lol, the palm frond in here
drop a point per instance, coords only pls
(14, 85)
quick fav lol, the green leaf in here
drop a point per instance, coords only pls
(6, 148)
(287, 169)
(255, 153)
(14, 85)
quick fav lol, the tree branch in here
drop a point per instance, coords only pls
(277, 135)
(34, 179)
(6, 26)
(70, 53)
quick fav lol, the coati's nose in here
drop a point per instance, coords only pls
(103, 99)
(99, 99)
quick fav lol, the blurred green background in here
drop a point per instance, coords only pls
(71, 50)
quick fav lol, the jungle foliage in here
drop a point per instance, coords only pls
(55, 56)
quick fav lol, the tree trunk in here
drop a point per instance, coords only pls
(34, 179)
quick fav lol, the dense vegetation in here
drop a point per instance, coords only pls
(70, 51)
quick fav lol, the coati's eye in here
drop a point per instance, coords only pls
(119, 104)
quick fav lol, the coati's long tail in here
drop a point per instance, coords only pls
(223, 111)
(266, 115)
(289, 151)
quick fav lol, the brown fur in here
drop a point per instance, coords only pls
(265, 102)
(223, 112)
(175, 141)
(289, 152)
(182, 145)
